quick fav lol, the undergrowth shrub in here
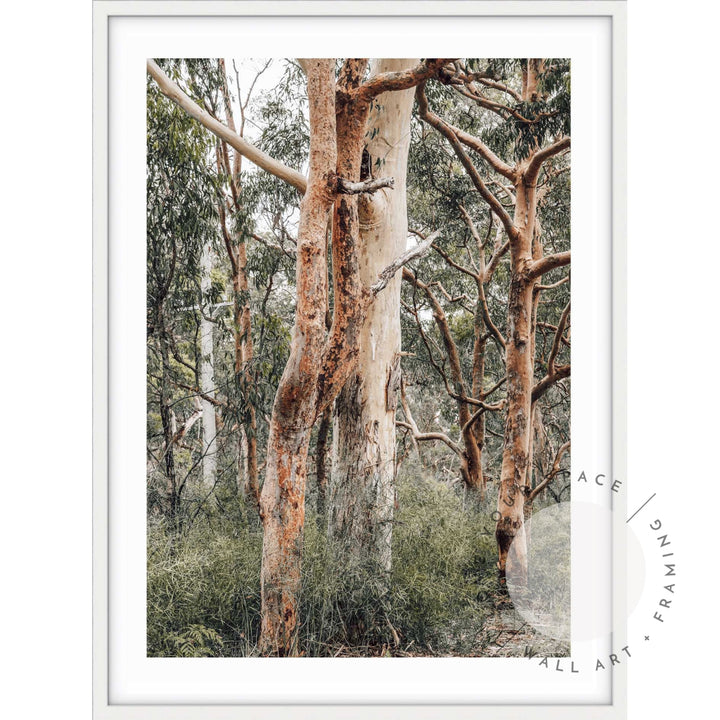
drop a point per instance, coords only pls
(203, 586)
(209, 578)
(440, 560)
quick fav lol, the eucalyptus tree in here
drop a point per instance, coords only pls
(320, 360)
(528, 106)
(462, 286)
(236, 226)
(362, 492)
(181, 223)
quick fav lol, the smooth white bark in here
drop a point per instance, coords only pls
(207, 375)
(362, 485)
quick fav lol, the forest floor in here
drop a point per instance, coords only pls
(504, 634)
(509, 635)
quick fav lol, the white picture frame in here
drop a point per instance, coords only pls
(107, 584)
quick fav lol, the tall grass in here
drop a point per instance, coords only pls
(203, 591)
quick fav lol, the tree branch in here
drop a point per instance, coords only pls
(553, 285)
(536, 160)
(548, 381)
(401, 80)
(558, 336)
(172, 91)
(484, 152)
(555, 470)
(442, 127)
(486, 274)
(483, 408)
(446, 257)
(548, 263)
(199, 393)
(389, 272)
(346, 187)
(499, 86)
(419, 436)
(554, 373)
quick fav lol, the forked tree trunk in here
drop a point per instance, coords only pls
(318, 366)
(282, 502)
(362, 487)
(525, 268)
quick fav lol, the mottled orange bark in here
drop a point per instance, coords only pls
(362, 488)
(318, 365)
(282, 501)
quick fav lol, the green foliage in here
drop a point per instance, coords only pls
(194, 641)
(208, 578)
(440, 559)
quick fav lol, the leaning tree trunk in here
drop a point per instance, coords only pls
(362, 487)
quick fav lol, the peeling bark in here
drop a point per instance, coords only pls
(319, 366)
(527, 266)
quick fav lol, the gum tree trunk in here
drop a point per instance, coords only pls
(362, 487)
(282, 501)
(235, 244)
(510, 530)
(526, 266)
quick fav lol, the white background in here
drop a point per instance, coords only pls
(45, 295)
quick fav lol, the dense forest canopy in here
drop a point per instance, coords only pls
(358, 349)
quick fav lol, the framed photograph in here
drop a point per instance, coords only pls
(359, 441)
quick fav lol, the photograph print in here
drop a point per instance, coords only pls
(358, 357)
